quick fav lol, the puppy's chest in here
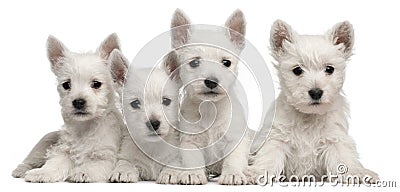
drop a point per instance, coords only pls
(306, 146)
(210, 122)
(96, 142)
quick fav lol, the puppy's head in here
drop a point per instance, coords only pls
(86, 81)
(207, 58)
(311, 69)
(150, 100)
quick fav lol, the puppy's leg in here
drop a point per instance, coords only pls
(37, 157)
(168, 176)
(269, 160)
(193, 177)
(192, 159)
(234, 165)
(124, 172)
(55, 169)
(341, 158)
(91, 172)
(95, 169)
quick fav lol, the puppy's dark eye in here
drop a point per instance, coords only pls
(329, 70)
(166, 101)
(226, 62)
(96, 84)
(135, 104)
(298, 71)
(66, 85)
(194, 63)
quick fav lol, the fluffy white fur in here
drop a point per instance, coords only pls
(207, 112)
(86, 149)
(308, 136)
(148, 88)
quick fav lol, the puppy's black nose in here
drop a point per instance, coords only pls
(211, 83)
(153, 124)
(316, 93)
(79, 103)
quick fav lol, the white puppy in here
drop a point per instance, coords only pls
(309, 135)
(89, 141)
(150, 101)
(213, 121)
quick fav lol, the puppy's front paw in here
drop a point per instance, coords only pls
(359, 176)
(232, 178)
(254, 176)
(20, 171)
(168, 176)
(87, 176)
(43, 175)
(124, 176)
(193, 177)
(80, 177)
(373, 177)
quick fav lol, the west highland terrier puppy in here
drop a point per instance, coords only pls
(309, 135)
(151, 104)
(87, 146)
(210, 107)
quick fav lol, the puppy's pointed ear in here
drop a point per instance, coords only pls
(56, 52)
(108, 45)
(236, 24)
(281, 33)
(119, 66)
(171, 65)
(343, 33)
(180, 29)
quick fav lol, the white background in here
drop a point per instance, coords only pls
(29, 100)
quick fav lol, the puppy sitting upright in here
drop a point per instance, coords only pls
(309, 135)
(213, 121)
(88, 143)
(151, 104)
